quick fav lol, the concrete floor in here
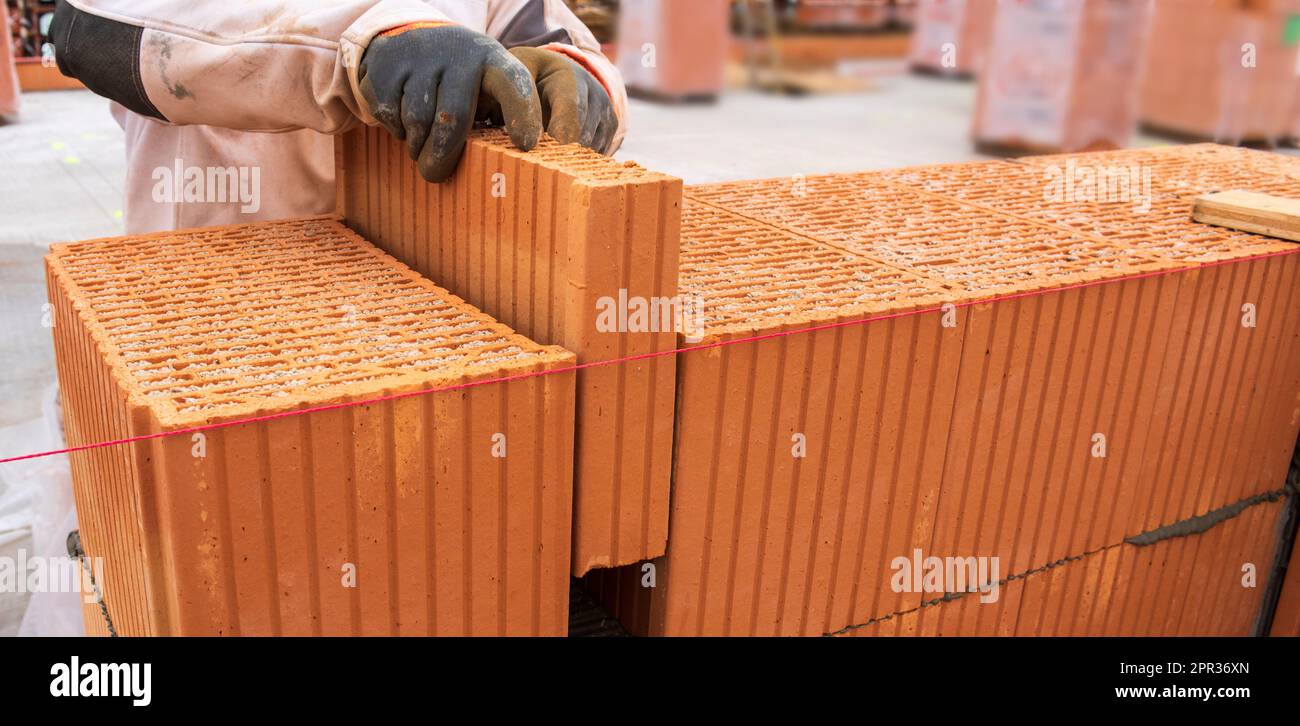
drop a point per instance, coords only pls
(64, 168)
(903, 121)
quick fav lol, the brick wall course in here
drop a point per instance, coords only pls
(978, 443)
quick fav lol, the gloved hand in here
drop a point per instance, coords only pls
(576, 108)
(423, 83)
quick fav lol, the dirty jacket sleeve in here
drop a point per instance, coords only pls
(277, 65)
(252, 65)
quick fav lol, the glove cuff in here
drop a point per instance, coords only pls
(577, 56)
(414, 26)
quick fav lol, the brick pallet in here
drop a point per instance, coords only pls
(834, 15)
(256, 528)
(1061, 76)
(960, 26)
(1199, 81)
(975, 440)
(674, 50)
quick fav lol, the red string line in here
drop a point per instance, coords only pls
(645, 356)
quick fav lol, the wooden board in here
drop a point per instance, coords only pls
(1250, 212)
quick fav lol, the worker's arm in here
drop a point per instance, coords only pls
(254, 65)
(570, 86)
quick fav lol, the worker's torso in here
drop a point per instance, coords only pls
(291, 174)
(198, 176)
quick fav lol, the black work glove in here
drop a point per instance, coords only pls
(576, 108)
(423, 84)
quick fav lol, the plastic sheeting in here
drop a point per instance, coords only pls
(36, 501)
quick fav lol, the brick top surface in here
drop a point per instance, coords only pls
(581, 163)
(750, 275)
(227, 322)
(1156, 224)
(1189, 171)
(1012, 224)
(973, 250)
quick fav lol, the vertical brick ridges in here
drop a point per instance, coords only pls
(1190, 586)
(974, 440)
(253, 528)
(538, 240)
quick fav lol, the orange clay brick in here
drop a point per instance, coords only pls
(1061, 76)
(1009, 408)
(540, 240)
(956, 244)
(1197, 82)
(1189, 586)
(1157, 223)
(1036, 499)
(764, 542)
(1186, 172)
(860, 15)
(965, 24)
(688, 42)
(252, 528)
(1286, 619)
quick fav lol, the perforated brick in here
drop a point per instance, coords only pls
(974, 440)
(1189, 171)
(957, 244)
(255, 527)
(750, 276)
(1150, 219)
(759, 536)
(540, 240)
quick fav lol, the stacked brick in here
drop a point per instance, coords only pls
(332, 496)
(674, 49)
(545, 241)
(951, 37)
(1109, 373)
(1061, 75)
(903, 12)
(1044, 363)
(1222, 70)
(839, 15)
